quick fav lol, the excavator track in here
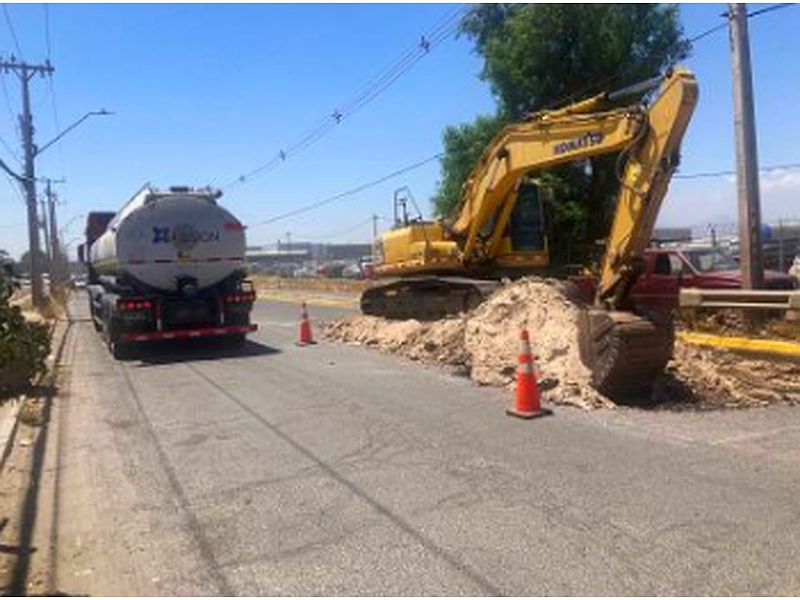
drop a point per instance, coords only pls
(426, 298)
(625, 351)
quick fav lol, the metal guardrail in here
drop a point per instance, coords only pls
(788, 300)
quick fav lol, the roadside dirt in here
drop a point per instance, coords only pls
(483, 345)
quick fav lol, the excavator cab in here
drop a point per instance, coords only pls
(526, 227)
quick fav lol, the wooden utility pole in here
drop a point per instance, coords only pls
(56, 267)
(750, 251)
(25, 72)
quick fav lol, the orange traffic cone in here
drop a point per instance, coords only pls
(528, 405)
(305, 329)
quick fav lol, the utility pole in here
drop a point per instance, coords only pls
(374, 228)
(750, 251)
(56, 270)
(25, 72)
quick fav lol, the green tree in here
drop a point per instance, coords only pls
(545, 55)
(25, 261)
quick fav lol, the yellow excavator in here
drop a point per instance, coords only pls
(446, 266)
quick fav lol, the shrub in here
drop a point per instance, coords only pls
(24, 346)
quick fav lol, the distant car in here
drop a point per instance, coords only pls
(79, 281)
(368, 270)
(352, 272)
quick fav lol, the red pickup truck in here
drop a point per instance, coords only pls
(669, 269)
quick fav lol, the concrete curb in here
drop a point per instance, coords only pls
(10, 424)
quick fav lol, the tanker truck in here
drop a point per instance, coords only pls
(169, 265)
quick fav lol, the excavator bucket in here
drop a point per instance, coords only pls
(624, 351)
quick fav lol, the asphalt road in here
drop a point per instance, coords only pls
(336, 470)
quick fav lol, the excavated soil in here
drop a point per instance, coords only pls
(483, 344)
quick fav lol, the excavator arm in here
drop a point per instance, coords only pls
(624, 350)
(649, 166)
(546, 141)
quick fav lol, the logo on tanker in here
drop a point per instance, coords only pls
(184, 236)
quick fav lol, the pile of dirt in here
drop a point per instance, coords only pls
(711, 378)
(483, 344)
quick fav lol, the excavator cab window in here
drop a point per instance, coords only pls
(526, 225)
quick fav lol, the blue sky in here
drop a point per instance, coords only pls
(204, 93)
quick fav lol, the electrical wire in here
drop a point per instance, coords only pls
(604, 82)
(750, 15)
(445, 28)
(350, 229)
(351, 192)
(9, 149)
(11, 29)
(707, 32)
(50, 82)
(771, 8)
(15, 186)
(714, 174)
(47, 30)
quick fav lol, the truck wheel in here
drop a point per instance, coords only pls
(115, 346)
(236, 340)
(97, 326)
(119, 350)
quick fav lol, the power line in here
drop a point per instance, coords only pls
(445, 28)
(8, 148)
(370, 91)
(50, 82)
(15, 187)
(707, 32)
(771, 8)
(351, 192)
(755, 13)
(350, 229)
(11, 29)
(47, 30)
(714, 174)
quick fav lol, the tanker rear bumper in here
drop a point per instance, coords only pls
(181, 334)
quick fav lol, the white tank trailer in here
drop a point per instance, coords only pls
(170, 264)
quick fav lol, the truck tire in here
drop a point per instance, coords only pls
(115, 346)
(119, 350)
(92, 316)
(236, 340)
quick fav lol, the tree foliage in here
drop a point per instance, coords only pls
(546, 55)
(25, 261)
